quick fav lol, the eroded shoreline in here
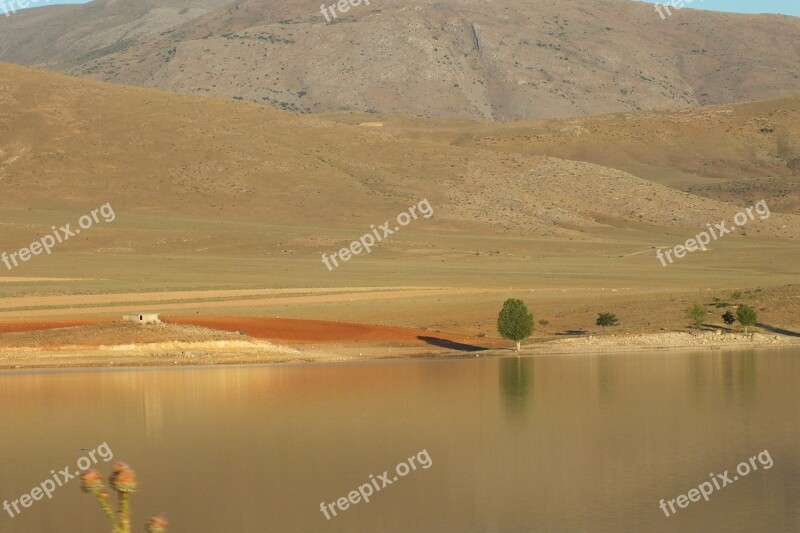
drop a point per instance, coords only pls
(235, 349)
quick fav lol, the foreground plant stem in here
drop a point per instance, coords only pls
(102, 498)
(124, 513)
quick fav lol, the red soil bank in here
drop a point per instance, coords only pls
(296, 330)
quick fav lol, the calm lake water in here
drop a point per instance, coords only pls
(568, 443)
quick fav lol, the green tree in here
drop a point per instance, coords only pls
(515, 322)
(606, 319)
(696, 312)
(746, 316)
(728, 318)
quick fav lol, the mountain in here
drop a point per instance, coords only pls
(520, 59)
(64, 36)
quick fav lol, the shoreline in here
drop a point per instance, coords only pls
(256, 352)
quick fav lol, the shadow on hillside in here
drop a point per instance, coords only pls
(451, 345)
(705, 328)
(715, 327)
(779, 331)
(572, 333)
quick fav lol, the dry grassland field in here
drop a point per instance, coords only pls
(281, 187)
(226, 209)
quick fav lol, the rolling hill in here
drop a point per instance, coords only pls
(215, 194)
(69, 143)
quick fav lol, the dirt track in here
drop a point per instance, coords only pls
(11, 308)
(39, 325)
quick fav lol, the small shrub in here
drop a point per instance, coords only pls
(696, 313)
(606, 319)
(729, 318)
(746, 316)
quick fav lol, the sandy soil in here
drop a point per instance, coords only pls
(675, 340)
(217, 340)
(179, 300)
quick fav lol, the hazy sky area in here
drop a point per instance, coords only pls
(37, 3)
(784, 7)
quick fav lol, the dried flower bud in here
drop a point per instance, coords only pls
(124, 478)
(157, 524)
(91, 482)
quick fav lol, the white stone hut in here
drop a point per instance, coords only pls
(143, 318)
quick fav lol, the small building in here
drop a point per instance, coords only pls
(144, 318)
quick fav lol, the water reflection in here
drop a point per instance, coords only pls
(698, 377)
(738, 375)
(516, 382)
(256, 449)
(605, 376)
(747, 375)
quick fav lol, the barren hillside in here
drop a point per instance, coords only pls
(519, 59)
(68, 144)
(71, 35)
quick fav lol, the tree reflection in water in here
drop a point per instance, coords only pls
(516, 382)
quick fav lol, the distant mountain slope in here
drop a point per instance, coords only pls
(738, 153)
(519, 59)
(72, 35)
